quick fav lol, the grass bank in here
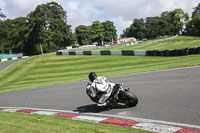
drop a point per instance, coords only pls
(26, 123)
(176, 43)
(50, 69)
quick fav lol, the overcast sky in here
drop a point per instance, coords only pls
(84, 12)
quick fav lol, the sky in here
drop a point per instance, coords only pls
(84, 12)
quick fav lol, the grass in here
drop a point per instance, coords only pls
(50, 69)
(176, 43)
(26, 123)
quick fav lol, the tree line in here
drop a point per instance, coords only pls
(43, 30)
(96, 33)
(167, 24)
(46, 30)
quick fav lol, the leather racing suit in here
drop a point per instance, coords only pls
(99, 90)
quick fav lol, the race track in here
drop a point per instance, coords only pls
(171, 95)
(6, 65)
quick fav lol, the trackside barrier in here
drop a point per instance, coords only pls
(96, 52)
(140, 52)
(171, 52)
(116, 52)
(15, 58)
(87, 53)
(127, 53)
(194, 50)
(106, 52)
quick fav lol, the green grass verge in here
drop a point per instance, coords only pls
(176, 43)
(50, 69)
(26, 123)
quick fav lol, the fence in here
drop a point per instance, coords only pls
(171, 52)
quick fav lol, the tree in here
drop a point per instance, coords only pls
(168, 23)
(137, 29)
(179, 19)
(3, 36)
(110, 32)
(196, 11)
(83, 34)
(18, 32)
(167, 26)
(49, 27)
(3, 32)
(152, 24)
(125, 32)
(193, 26)
(97, 32)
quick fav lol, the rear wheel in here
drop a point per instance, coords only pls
(129, 98)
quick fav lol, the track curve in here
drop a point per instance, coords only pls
(6, 65)
(170, 95)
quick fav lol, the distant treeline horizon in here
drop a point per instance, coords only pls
(46, 30)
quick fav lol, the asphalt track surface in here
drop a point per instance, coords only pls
(170, 95)
(6, 65)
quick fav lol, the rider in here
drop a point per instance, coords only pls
(99, 90)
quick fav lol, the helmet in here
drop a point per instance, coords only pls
(92, 76)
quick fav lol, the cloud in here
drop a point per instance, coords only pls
(84, 12)
(80, 13)
(19, 8)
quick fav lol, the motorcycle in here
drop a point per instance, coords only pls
(119, 94)
(122, 95)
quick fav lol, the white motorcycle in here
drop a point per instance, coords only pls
(122, 95)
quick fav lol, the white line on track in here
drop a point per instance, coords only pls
(6, 68)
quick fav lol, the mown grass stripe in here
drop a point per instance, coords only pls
(50, 69)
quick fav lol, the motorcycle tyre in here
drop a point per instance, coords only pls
(131, 99)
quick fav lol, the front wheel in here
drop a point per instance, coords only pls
(129, 98)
